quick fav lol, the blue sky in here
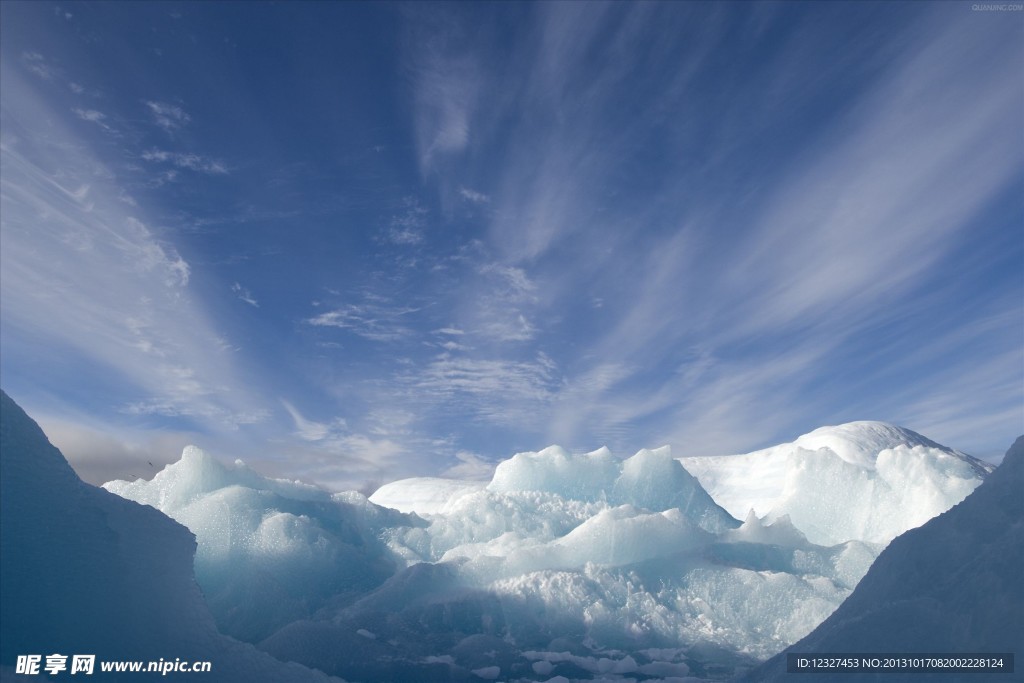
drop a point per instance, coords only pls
(354, 242)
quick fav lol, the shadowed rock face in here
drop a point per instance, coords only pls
(951, 586)
(87, 572)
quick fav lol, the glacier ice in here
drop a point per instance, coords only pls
(952, 585)
(428, 495)
(867, 481)
(602, 567)
(270, 551)
(84, 571)
(651, 479)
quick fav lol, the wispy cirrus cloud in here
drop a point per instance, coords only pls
(84, 276)
(870, 214)
(92, 116)
(189, 161)
(774, 280)
(451, 339)
(343, 456)
(194, 407)
(310, 430)
(473, 196)
(446, 86)
(502, 308)
(499, 391)
(628, 224)
(170, 117)
(470, 467)
(852, 233)
(39, 65)
(47, 69)
(374, 319)
(446, 93)
(407, 227)
(507, 327)
(245, 295)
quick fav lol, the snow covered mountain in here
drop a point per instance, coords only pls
(88, 572)
(869, 481)
(953, 585)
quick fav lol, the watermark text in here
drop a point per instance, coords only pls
(56, 663)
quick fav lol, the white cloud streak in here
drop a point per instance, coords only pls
(192, 162)
(446, 88)
(871, 214)
(373, 320)
(498, 391)
(38, 65)
(836, 239)
(92, 116)
(245, 295)
(470, 467)
(83, 274)
(407, 228)
(308, 430)
(345, 457)
(473, 196)
(170, 117)
(503, 303)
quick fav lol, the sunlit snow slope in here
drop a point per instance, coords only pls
(869, 481)
(952, 586)
(88, 572)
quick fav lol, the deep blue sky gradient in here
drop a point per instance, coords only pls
(351, 242)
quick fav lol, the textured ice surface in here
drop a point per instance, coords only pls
(866, 481)
(270, 551)
(833, 500)
(611, 556)
(84, 571)
(423, 495)
(553, 510)
(555, 470)
(565, 566)
(651, 480)
(952, 585)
